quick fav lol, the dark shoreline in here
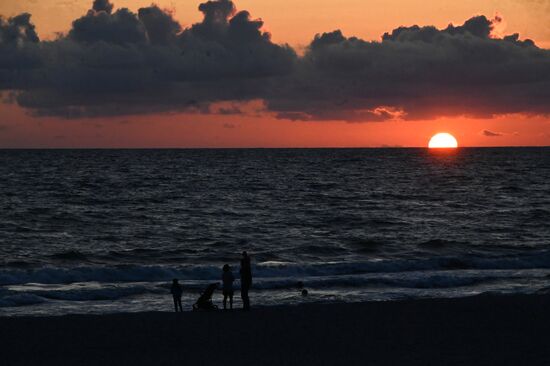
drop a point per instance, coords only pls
(480, 330)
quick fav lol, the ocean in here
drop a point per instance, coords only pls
(100, 231)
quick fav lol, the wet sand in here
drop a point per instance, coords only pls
(481, 330)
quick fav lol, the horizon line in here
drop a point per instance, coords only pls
(272, 148)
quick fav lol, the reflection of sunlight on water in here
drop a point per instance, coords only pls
(444, 149)
(446, 164)
(444, 155)
(447, 151)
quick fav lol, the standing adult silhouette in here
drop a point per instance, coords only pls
(246, 280)
(176, 290)
(227, 280)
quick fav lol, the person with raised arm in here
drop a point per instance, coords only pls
(246, 280)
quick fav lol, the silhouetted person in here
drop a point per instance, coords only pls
(205, 300)
(227, 279)
(246, 280)
(300, 286)
(176, 290)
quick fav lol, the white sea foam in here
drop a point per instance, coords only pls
(151, 273)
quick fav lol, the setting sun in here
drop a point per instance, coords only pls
(442, 140)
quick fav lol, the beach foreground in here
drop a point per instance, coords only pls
(481, 330)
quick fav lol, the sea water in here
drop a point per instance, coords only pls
(95, 231)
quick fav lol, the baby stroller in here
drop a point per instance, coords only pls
(205, 300)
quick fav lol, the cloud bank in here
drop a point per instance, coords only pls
(119, 62)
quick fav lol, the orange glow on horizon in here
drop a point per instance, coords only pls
(19, 129)
(257, 127)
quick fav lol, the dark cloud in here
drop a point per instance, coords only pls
(120, 63)
(122, 27)
(117, 62)
(161, 28)
(229, 45)
(216, 14)
(17, 30)
(19, 52)
(102, 5)
(488, 133)
(417, 73)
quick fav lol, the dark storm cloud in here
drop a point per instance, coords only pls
(161, 28)
(229, 45)
(122, 27)
(102, 5)
(418, 73)
(216, 14)
(17, 30)
(19, 52)
(117, 62)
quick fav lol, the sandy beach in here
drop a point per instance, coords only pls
(481, 330)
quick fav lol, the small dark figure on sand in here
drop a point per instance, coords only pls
(246, 280)
(205, 300)
(227, 279)
(176, 290)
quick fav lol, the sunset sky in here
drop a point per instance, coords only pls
(137, 78)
